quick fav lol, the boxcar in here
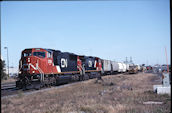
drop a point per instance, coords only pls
(124, 67)
(120, 69)
(115, 66)
(127, 67)
(106, 64)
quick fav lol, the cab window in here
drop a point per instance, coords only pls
(26, 54)
(49, 54)
(39, 54)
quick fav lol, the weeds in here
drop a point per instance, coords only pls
(116, 94)
(86, 109)
(20, 94)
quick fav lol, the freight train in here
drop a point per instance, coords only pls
(39, 67)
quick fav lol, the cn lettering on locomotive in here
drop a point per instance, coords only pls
(89, 64)
(63, 63)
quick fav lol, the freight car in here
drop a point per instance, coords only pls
(138, 67)
(106, 66)
(122, 67)
(39, 67)
(133, 69)
(115, 66)
(127, 67)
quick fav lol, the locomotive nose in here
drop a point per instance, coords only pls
(26, 62)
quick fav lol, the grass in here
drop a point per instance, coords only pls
(20, 94)
(116, 94)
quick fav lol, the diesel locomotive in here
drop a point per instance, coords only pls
(39, 67)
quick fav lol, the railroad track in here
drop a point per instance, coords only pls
(11, 93)
(8, 86)
(10, 90)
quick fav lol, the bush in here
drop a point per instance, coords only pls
(4, 76)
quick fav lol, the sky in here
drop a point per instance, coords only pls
(110, 30)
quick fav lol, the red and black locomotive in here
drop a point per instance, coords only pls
(51, 67)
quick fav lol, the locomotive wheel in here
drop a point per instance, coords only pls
(80, 77)
(85, 77)
(24, 83)
(111, 72)
(90, 76)
(57, 81)
(37, 87)
(19, 84)
(102, 72)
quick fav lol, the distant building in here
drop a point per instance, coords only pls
(13, 71)
(157, 65)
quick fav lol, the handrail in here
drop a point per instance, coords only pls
(20, 66)
(39, 69)
(42, 74)
(80, 69)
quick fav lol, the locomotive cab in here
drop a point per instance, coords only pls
(33, 60)
(34, 64)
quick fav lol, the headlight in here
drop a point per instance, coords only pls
(28, 59)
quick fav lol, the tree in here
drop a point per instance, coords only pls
(143, 64)
(3, 74)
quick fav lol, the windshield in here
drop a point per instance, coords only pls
(39, 54)
(26, 53)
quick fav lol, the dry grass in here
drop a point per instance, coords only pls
(117, 94)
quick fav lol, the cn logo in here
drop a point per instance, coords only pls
(63, 62)
(89, 63)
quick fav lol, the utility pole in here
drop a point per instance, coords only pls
(166, 59)
(7, 60)
(131, 60)
(126, 60)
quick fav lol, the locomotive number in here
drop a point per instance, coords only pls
(63, 62)
(89, 64)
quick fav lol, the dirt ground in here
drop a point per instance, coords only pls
(120, 93)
